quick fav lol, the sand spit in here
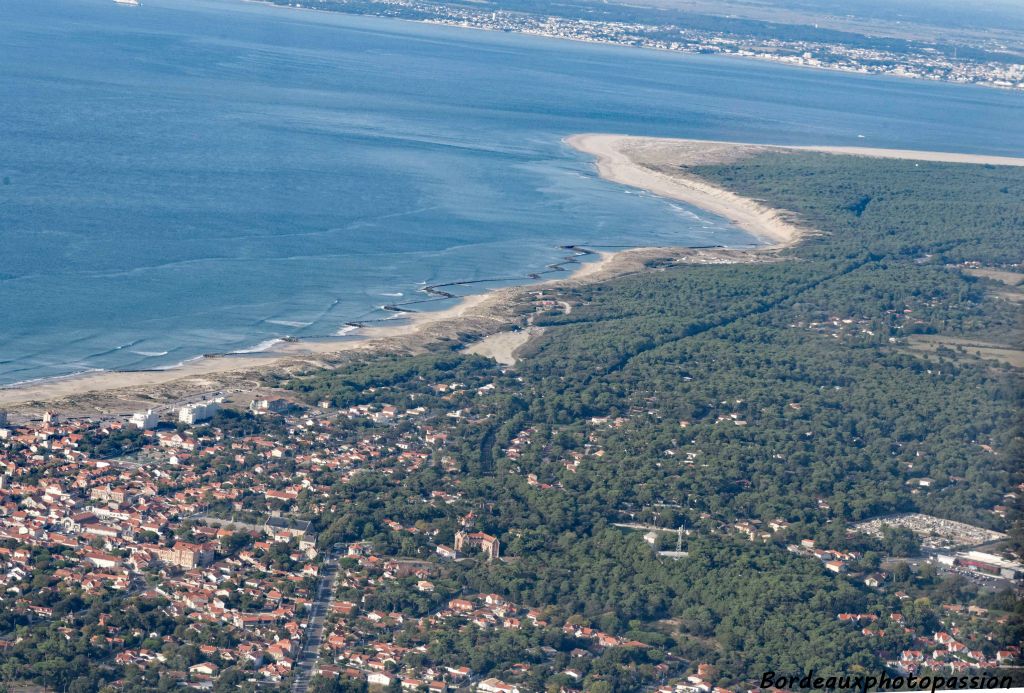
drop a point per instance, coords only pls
(653, 165)
(658, 166)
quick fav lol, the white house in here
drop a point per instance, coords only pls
(379, 678)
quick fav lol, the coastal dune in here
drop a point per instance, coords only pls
(658, 165)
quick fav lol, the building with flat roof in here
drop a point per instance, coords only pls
(991, 564)
(145, 419)
(283, 528)
(200, 411)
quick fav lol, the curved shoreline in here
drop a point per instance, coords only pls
(658, 164)
(635, 161)
(654, 164)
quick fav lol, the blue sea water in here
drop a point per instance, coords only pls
(195, 176)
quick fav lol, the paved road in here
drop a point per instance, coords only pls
(309, 657)
(637, 525)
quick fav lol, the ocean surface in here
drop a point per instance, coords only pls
(196, 176)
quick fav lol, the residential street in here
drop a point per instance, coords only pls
(309, 657)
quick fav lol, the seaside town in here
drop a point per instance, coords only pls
(381, 524)
(191, 547)
(921, 62)
(289, 401)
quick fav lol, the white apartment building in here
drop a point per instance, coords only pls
(145, 419)
(200, 411)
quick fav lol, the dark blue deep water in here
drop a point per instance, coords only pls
(197, 176)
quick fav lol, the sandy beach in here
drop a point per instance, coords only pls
(653, 164)
(207, 373)
(491, 323)
(470, 318)
(644, 162)
(913, 155)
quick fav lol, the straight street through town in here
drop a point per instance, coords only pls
(309, 657)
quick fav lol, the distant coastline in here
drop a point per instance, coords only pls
(843, 65)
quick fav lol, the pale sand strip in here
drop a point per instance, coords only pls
(943, 157)
(109, 391)
(117, 393)
(653, 164)
(635, 161)
(208, 369)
